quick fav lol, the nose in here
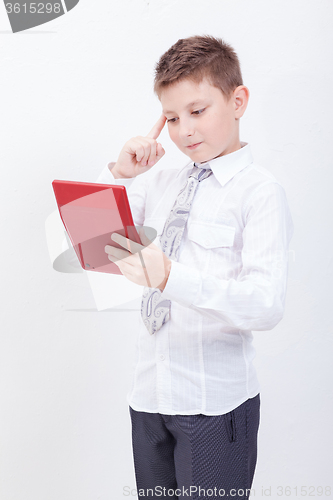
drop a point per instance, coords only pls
(186, 128)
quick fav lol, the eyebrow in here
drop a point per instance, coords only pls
(189, 105)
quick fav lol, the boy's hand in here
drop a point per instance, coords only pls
(139, 154)
(144, 265)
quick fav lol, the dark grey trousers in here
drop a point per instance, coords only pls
(196, 457)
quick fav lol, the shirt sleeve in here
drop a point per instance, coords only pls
(255, 299)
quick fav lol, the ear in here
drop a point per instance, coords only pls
(241, 98)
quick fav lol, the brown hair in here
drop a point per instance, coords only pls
(198, 57)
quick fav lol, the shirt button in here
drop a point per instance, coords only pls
(162, 358)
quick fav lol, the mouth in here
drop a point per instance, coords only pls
(193, 146)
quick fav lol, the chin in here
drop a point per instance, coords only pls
(202, 156)
(199, 158)
(195, 156)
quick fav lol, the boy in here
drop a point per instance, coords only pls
(216, 271)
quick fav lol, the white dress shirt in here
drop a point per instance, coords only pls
(230, 279)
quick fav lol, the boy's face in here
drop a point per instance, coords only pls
(201, 122)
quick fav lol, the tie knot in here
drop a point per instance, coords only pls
(200, 173)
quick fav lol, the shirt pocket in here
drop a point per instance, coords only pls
(211, 236)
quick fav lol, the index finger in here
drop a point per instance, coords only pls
(157, 128)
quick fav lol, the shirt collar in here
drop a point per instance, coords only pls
(226, 167)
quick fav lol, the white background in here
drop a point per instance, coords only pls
(71, 93)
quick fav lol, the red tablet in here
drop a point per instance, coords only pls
(91, 213)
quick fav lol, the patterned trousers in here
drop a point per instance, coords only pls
(196, 457)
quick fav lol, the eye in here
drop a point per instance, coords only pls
(198, 112)
(172, 120)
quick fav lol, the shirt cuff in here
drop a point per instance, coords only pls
(183, 284)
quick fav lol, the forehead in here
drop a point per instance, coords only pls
(187, 93)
